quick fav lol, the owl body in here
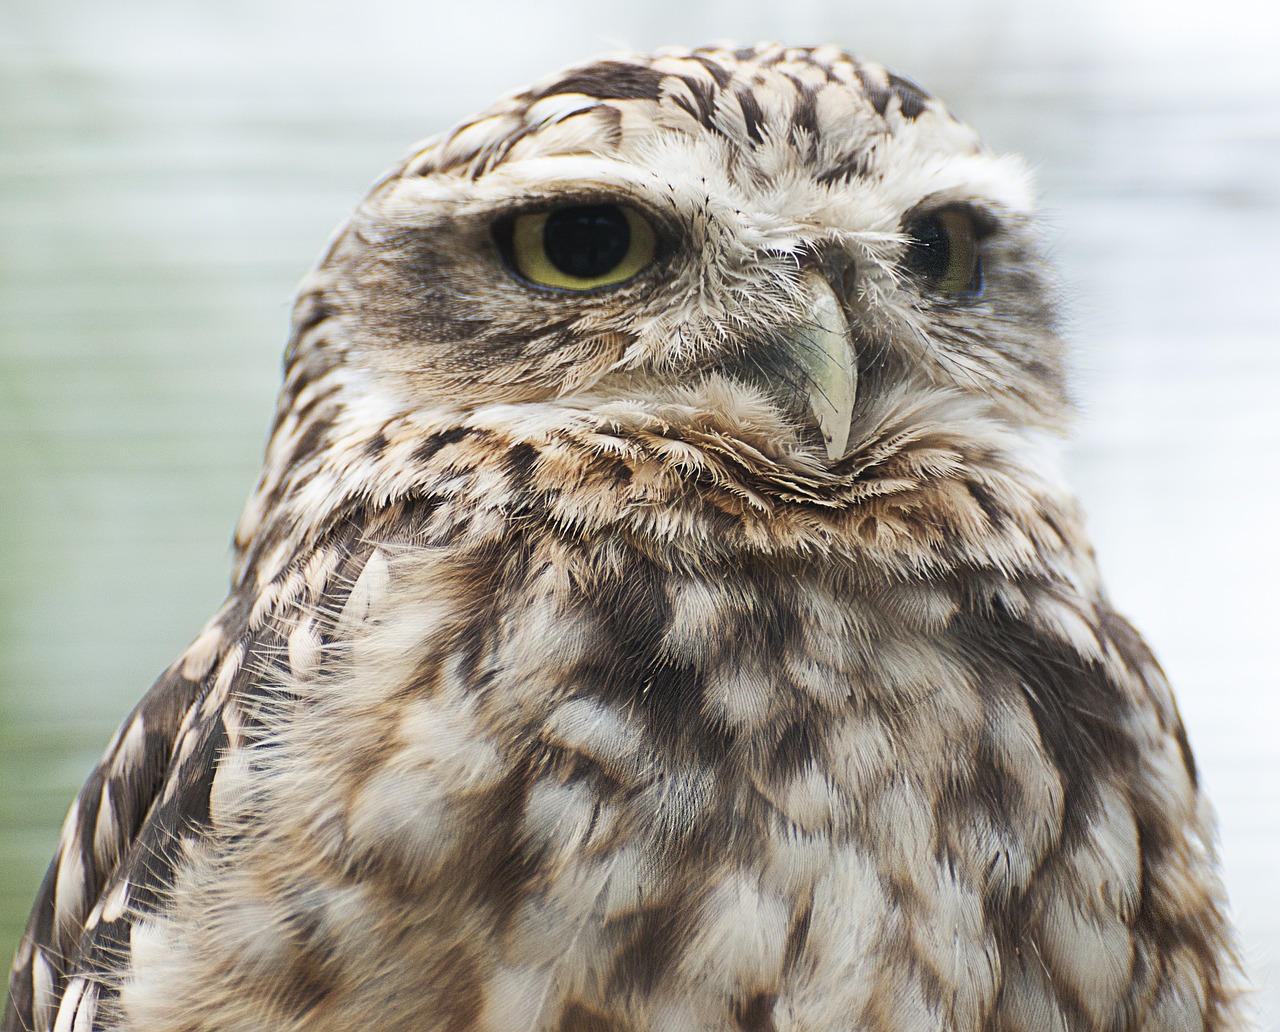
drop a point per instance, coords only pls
(712, 647)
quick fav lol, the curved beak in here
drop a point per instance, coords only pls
(820, 345)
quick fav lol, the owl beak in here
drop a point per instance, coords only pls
(821, 347)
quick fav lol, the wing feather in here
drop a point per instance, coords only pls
(148, 797)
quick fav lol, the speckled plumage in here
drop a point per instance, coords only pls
(569, 682)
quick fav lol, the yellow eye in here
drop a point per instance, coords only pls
(942, 250)
(581, 246)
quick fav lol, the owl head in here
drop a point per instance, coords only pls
(790, 249)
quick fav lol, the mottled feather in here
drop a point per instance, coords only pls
(571, 677)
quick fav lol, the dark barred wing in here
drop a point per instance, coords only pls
(149, 795)
(116, 848)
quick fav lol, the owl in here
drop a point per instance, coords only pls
(660, 610)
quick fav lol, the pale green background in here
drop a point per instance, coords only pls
(169, 171)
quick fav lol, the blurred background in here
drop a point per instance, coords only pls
(169, 171)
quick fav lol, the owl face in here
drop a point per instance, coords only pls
(791, 234)
(761, 267)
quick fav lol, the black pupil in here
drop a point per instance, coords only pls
(587, 241)
(929, 252)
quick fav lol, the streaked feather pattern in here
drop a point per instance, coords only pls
(568, 683)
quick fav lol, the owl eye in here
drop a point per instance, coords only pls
(578, 247)
(942, 251)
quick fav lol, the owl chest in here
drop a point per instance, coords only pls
(683, 799)
(639, 802)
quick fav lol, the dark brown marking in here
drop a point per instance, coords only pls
(752, 116)
(314, 439)
(876, 94)
(1079, 712)
(795, 751)
(804, 117)
(1137, 655)
(608, 80)
(519, 462)
(496, 154)
(1201, 930)
(375, 445)
(755, 1013)
(856, 166)
(911, 98)
(997, 518)
(307, 987)
(797, 936)
(717, 71)
(608, 123)
(578, 1017)
(638, 965)
(312, 309)
(703, 106)
(41, 930)
(433, 444)
(632, 612)
(305, 411)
